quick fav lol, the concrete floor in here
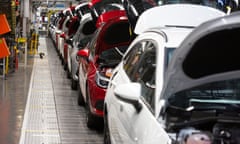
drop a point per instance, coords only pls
(13, 95)
(52, 115)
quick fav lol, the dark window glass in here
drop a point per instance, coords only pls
(117, 33)
(140, 66)
(111, 57)
(88, 28)
(85, 9)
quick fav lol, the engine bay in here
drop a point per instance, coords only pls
(202, 127)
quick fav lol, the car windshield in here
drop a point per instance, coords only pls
(111, 57)
(216, 95)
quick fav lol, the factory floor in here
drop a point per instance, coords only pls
(38, 106)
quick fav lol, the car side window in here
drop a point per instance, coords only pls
(140, 66)
(132, 59)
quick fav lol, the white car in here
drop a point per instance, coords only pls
(132, 106)
(63, 34)
(80, 39)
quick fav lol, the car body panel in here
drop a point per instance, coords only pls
(151, 132)
(181, 13)
(183, 80)
(203, 80)
(122, 115)
(72, 51)
(124, 121)
(99, 7)
(99, 48)
(109, 15)
(82, 9)
(89, 66)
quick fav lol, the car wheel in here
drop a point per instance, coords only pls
(80, 98)
(106, 131)
(65, 66)
(90, 118)
(62, 60)
(74, 84)
(69, 75)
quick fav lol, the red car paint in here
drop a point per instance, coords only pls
(89, 59)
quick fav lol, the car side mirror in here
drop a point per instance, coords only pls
(70, 42)
(129, 93)
(83, 53)
(80, 46)
(63, 35)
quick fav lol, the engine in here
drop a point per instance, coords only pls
(220, 133)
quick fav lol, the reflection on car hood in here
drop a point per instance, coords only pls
(210, 37)
(182, 15)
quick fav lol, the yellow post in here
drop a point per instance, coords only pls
(36, 43)
(30, 51)
(31, 44)
(6, 67)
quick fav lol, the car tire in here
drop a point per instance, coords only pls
(65, 66)
(74, 84)
(80, 98)
(106, 134)
(69, 75)
(62, 60)
(90, 118)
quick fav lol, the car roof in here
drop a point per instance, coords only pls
(173, 35)
(209, 53)
(185, 15)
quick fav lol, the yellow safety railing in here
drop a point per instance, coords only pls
(7, 63)
(34, 44)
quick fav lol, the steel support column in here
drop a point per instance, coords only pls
(25, 26)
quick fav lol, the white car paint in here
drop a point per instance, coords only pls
(176, 15)
(137, 123)
(72, 51)
(62, 40)
(208, 88)
(125, 124)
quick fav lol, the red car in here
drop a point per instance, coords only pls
(97, 60)
(99, 7)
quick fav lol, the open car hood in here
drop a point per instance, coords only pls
(103, 18)
(182, 15)
(209, 53)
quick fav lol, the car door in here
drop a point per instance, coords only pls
(85, 62)
(133, 126)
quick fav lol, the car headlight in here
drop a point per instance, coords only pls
(102, 77)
